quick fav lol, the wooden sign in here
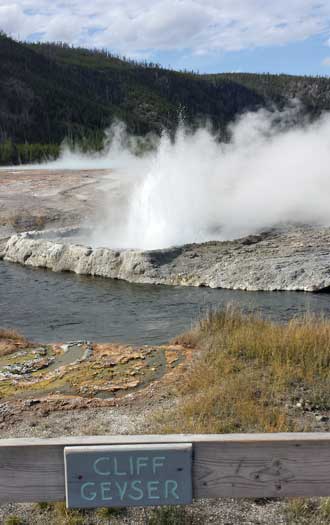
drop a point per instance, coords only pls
(128, 475)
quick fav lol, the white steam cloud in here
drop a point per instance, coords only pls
(195, 189)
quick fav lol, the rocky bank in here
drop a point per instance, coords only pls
(288, 258)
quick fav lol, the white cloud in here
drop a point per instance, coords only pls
(326, 61)
(139, 26)
(11, 18)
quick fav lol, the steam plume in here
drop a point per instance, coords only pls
(195, 189)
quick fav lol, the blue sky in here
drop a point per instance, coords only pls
(204, 35)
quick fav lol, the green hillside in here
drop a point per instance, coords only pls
(314, 92)
(49, 92)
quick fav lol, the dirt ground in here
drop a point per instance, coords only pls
(128, 411)
(40, 199)
(87, 384)
(56, 399)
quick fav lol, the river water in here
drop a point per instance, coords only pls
(48, 307)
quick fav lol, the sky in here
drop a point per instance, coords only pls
(209, 36)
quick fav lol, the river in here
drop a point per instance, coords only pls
(49, 307)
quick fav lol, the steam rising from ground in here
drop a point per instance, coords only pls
(195, 189)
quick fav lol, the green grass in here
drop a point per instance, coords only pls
(110, 512)
(170, 516)
(14, 520)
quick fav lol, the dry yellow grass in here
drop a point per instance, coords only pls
(249, 372)
(10, 341)
(308, 511)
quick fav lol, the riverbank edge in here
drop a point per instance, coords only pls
(290, 259)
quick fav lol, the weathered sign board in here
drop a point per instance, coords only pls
(128, 475)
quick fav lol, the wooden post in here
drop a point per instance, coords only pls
(232, 465)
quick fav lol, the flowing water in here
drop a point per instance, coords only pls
(48, 307)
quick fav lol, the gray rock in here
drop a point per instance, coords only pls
(87, 354)
(77, 343)
(290, 258)
(39, 351)
(26, 368)
(321, 419)
(31, 402)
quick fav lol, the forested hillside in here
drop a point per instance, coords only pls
(49, 92)
(313, 92)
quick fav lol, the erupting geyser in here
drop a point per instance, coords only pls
(196, 188)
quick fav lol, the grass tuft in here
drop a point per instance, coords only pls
(12, 335)
(10, 341)
(325, 508)
(110, 512)
(14, 520)
(250, 373)
(308, 511)
(170, 516)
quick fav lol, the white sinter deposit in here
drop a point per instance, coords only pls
(295, 258)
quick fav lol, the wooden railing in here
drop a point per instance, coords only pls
(233, 465)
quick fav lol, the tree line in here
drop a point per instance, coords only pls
(52, 92)
(13, 154)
